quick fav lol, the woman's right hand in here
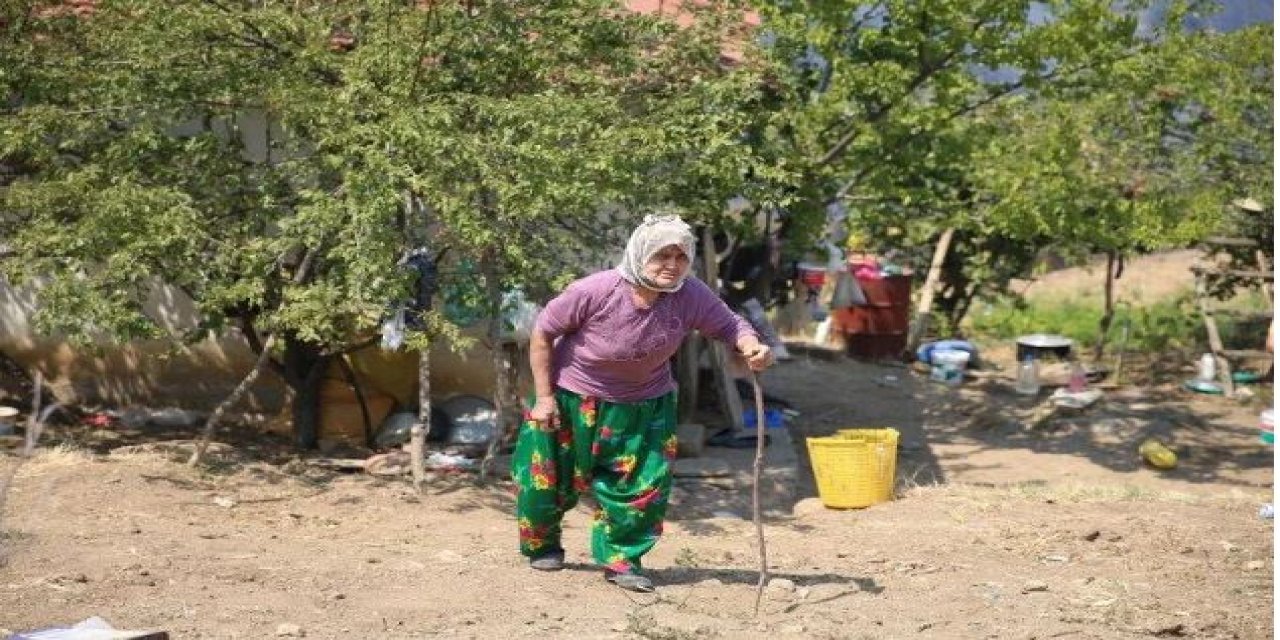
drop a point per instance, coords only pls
(543, 408)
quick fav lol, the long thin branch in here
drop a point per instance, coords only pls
(263, 356)
(255, 343)
(350, 374)
(756, 468)
(35, 424)
(210, 424)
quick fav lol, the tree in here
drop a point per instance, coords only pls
(1148, 163)
(874, 90)
(1021, 125)
(276, 159)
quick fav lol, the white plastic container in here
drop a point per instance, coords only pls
(948, 366)
(1208, 369)
(7, 417)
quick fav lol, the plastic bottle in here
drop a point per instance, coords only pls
(1028, 382)
(1076, 383)
(1208, 368)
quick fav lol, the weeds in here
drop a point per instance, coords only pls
(1171, 324)
(643, 624)
(688, 558)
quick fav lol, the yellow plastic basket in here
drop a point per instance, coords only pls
(854, 468)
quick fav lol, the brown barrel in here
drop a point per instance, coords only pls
(878, 329)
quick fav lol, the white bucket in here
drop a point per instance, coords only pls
(948, 366)
(7, 417)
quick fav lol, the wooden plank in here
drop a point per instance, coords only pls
(1222, 241)
(1241, 313)
(1239, 273)
(730, 402)
(1245, 353)
(1215, 340)
(1264, 265)
(920, 324)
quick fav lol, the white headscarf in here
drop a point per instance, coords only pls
(654, 234)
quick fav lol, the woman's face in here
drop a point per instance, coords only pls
(666, 267)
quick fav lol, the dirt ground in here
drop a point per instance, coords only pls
(1009, 522)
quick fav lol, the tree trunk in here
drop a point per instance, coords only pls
(418, 434)
(1108, 306)
(304, 366)
(501, 366)
(350, 374)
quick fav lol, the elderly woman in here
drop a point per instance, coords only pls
(604, 418)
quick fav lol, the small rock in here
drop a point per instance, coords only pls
(619, 626)
(803, 594)
(449, 556)
(1229, 547)
(1255, 565)
(711, 582)
(1034, 585)
(224, 502)
(289, 630)
(1056, 557)
(808, 506)
(339, 596)
(782, 584)
(1092, 535)
(1172, 630)
(794, 629)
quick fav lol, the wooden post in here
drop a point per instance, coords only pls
(1264, 266)
(1108, 306)
(920, 324)
(1215, 340)
(420, 430)
(730, 402)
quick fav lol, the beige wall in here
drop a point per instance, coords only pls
(200, 376)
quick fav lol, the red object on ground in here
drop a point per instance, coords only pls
(878, 329)
(98, 420)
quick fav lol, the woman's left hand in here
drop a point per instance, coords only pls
(759, 356)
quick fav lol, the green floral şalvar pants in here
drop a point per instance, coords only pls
(622, 452)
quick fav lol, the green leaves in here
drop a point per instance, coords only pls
(1024, 125)
(210, 146)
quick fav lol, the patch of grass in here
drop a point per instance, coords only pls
(1010, 318)
(643, 624)
(1172, 324)
(62, 455)
(687, 557)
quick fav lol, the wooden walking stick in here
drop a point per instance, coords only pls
(755, 487)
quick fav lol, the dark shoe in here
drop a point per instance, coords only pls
(630, 581)
(550, 561)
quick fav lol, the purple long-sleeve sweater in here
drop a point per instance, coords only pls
(612, 349)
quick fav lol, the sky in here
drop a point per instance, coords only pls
(1240, 13)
